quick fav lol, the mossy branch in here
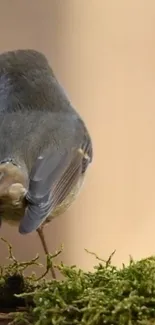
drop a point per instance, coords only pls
(109, 295)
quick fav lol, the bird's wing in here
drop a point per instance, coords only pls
(51, 180)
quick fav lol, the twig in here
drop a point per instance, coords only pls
(49, 262)
(21, 266)
(107, 262)
(11, 257)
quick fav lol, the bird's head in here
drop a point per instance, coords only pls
(12, 192)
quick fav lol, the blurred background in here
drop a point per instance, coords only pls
(103, 53)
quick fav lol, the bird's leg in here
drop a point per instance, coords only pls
(42, 238)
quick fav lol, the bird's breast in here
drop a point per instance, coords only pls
(12, 213)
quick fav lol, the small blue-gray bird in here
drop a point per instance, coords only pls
(45, 147)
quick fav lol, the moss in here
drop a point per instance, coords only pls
(109, 295)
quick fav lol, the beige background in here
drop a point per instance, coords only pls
(103, 52)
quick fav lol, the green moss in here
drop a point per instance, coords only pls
(108, 295)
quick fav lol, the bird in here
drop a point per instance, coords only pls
(45, 145)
